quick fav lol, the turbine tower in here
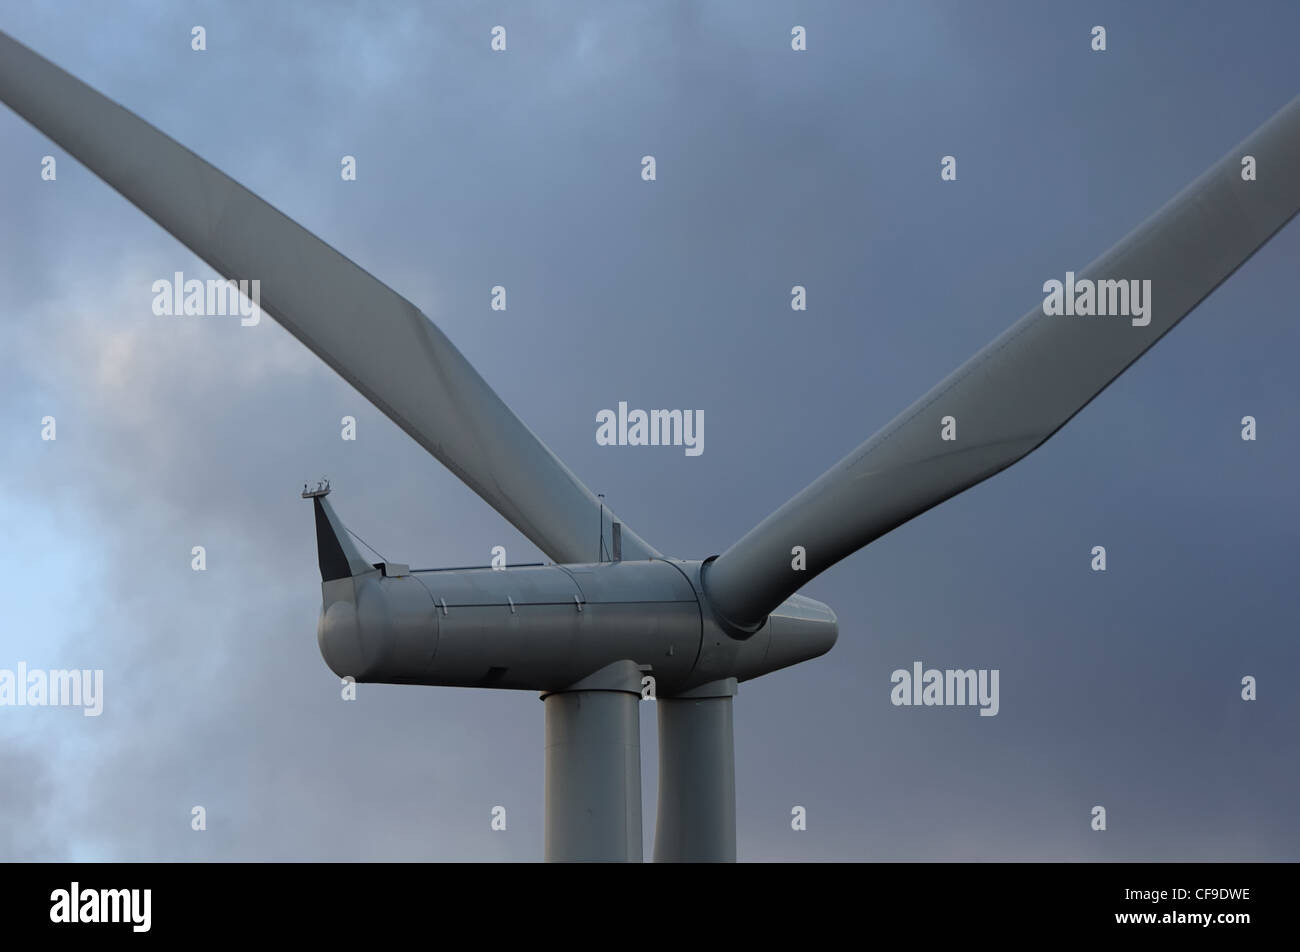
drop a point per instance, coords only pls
(588, 633)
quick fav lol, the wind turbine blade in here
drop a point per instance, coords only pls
(372, 337)
(1024, 386)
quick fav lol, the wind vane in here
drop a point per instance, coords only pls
(322, 489)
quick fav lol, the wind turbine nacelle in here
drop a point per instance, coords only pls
(543, 628)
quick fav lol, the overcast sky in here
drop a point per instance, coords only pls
(774, 168)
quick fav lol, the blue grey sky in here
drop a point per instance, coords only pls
(774, 168)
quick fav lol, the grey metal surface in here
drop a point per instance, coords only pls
(696, 820)
(1025, 385)
(338, 555)
(545, 627)
(372, 337)
(593, 769)
(798, 629)
(373, 628)
(556, 633)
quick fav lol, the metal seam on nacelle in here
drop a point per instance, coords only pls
(699, 608)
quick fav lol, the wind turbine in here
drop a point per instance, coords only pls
(586, 632)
